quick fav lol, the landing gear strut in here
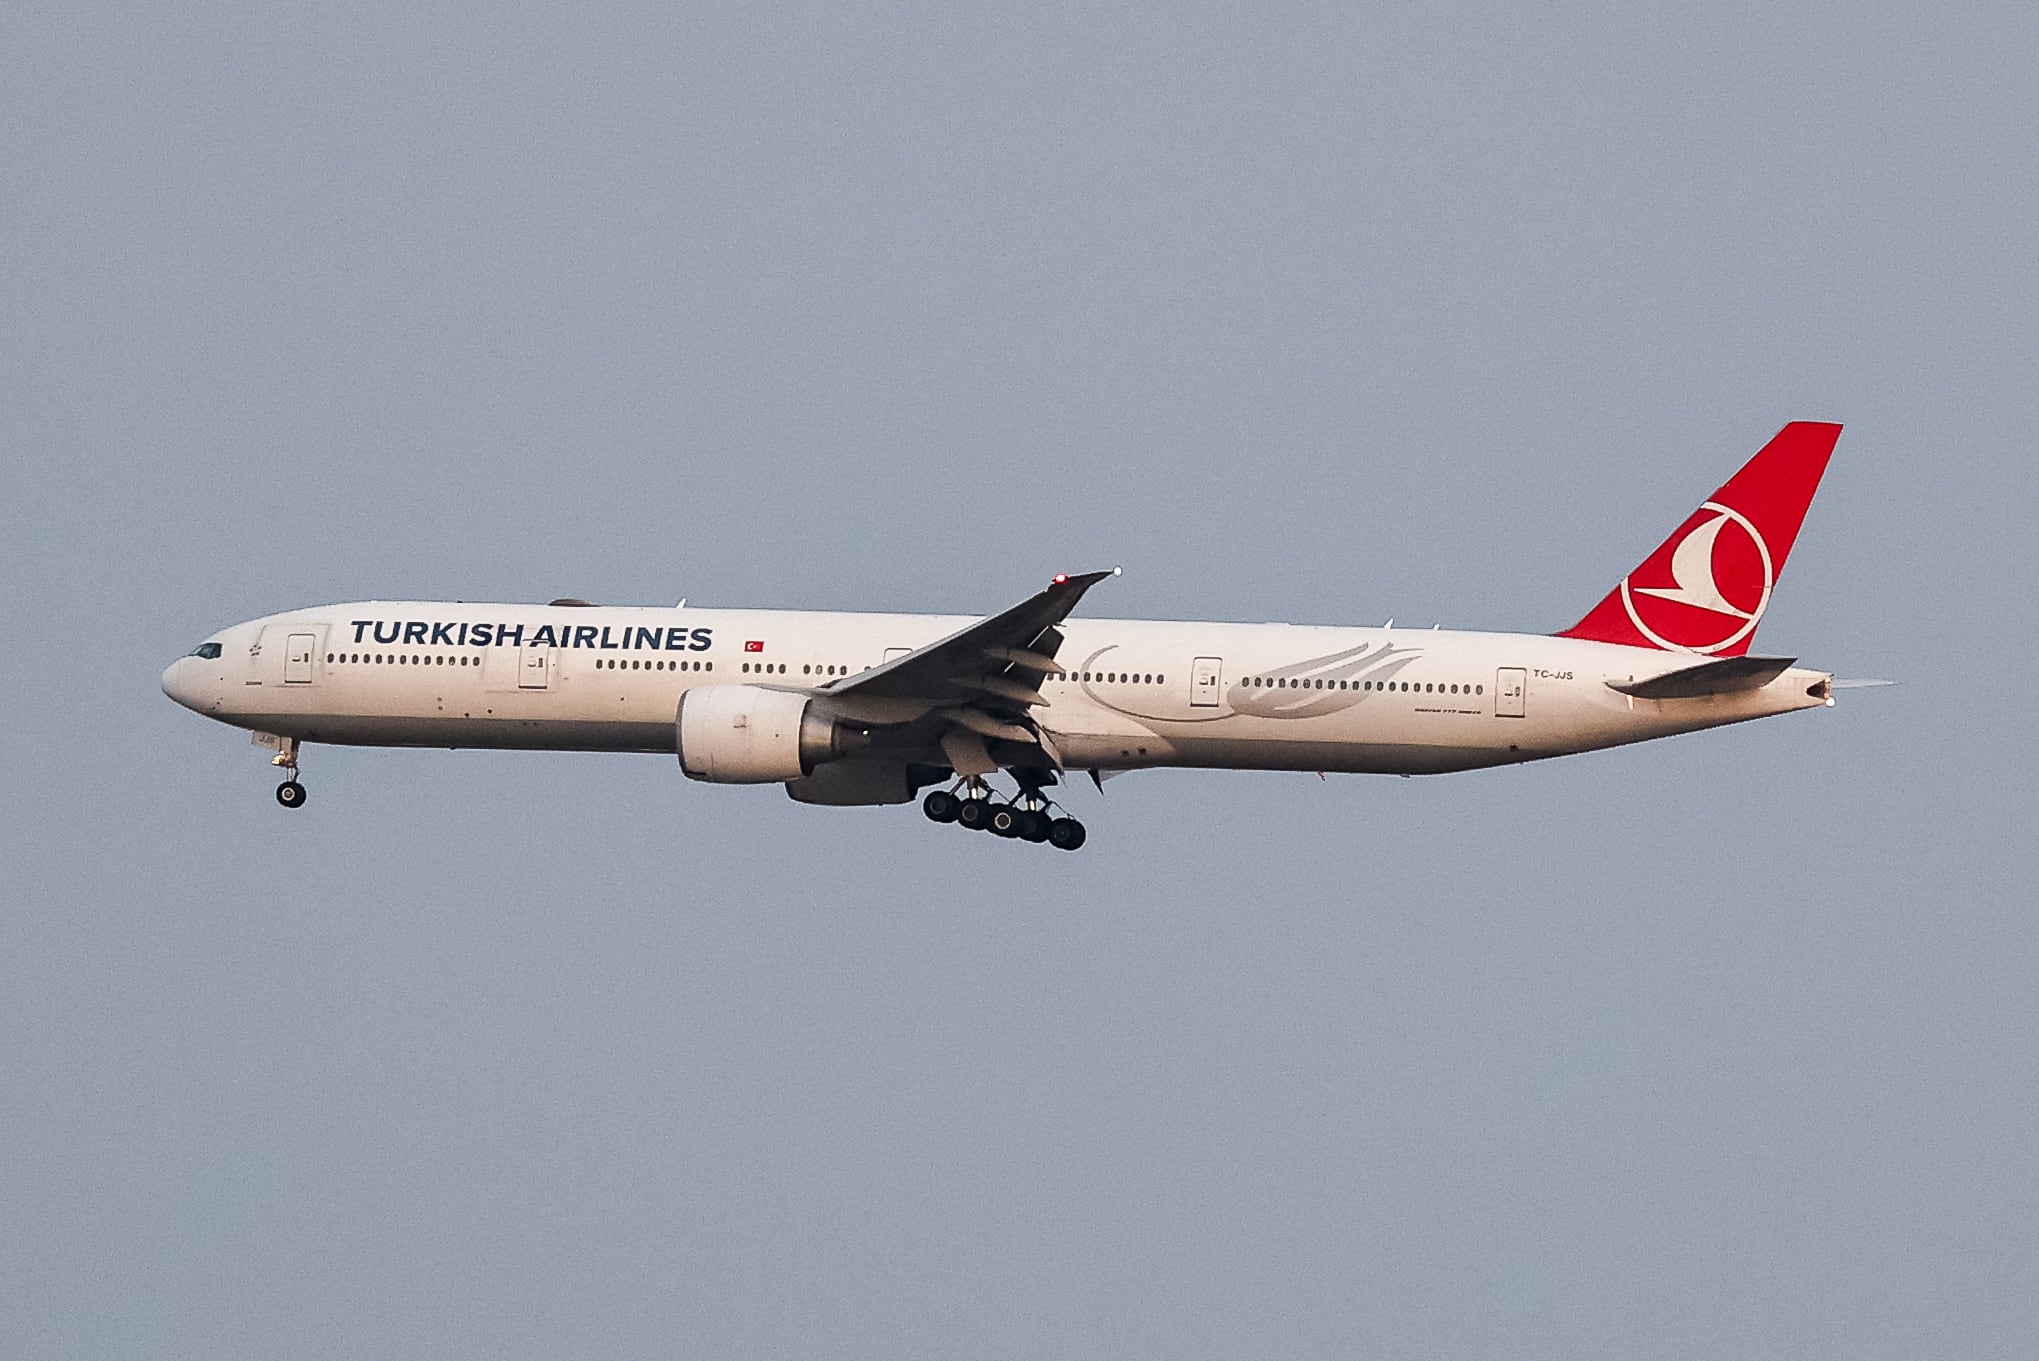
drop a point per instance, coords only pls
(290, 793)
(1028, 816)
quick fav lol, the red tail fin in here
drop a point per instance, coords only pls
(1706, 587)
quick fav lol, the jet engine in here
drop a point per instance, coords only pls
(747, 734)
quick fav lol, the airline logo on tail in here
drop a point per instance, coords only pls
(1705, 588)
(1699, 565)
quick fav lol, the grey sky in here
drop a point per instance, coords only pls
(1723, 1046)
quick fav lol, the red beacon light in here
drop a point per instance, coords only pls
(1061, 579)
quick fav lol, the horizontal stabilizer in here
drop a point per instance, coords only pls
(1723, 677)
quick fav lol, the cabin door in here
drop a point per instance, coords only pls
(297, 658)
(534, 670)
(1206, 676)
(1511, 692)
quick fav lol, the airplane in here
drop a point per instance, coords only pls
(849, 709)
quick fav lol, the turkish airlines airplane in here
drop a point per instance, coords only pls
(849, 709)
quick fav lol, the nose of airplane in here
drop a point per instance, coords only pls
(177, 683)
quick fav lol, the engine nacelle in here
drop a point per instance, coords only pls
(746, 734)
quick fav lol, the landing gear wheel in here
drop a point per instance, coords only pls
(1034, 826)
(290, 794)
(941, 806)
(1065, 834)
(1005, 820)
(974, 814)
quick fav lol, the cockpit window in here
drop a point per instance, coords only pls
(209, 651)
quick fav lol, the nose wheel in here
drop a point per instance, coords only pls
(290, 793)
(1028, 816)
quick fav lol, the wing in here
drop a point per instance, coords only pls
(974, 692)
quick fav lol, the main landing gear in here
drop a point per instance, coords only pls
(1028, 817)
(290, 793)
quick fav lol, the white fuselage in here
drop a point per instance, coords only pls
(1138, 693)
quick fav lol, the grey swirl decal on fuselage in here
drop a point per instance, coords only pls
(1320, 685)
(1310, 688)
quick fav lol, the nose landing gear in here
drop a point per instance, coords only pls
(1027, 817)
(290, 793)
